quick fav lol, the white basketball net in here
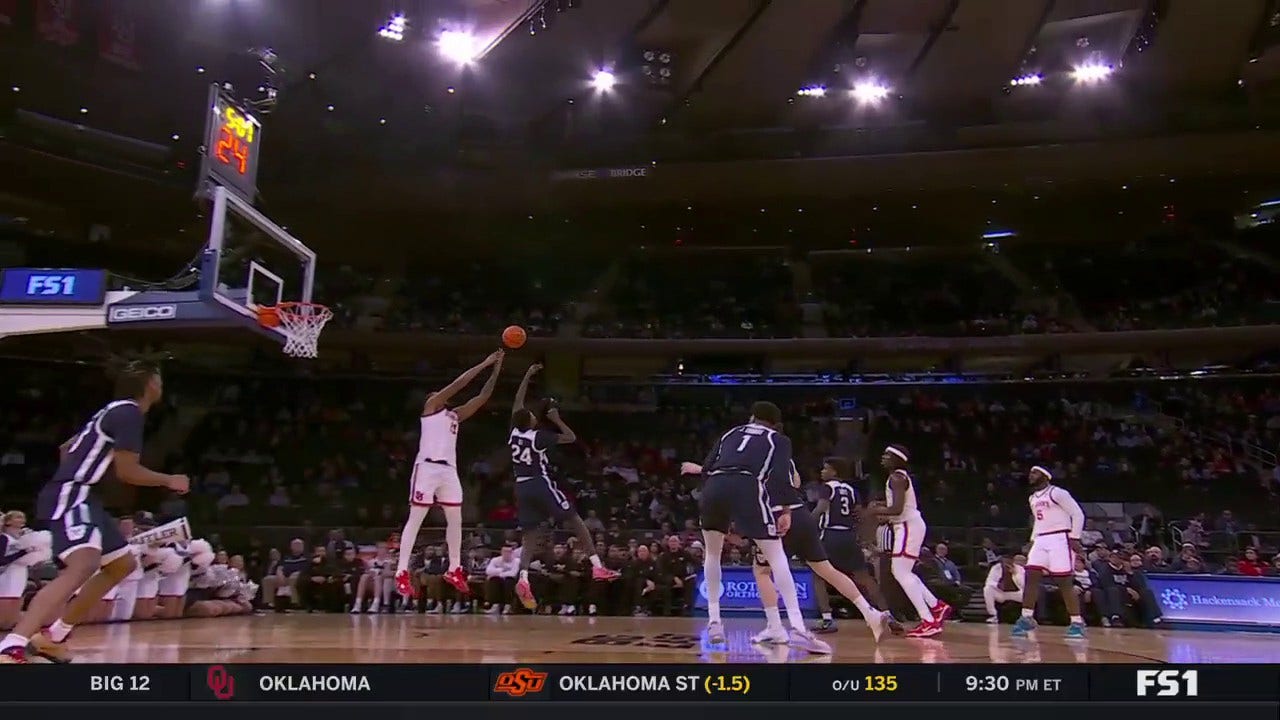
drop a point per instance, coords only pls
(302, 325)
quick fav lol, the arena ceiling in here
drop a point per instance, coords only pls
(697, 81)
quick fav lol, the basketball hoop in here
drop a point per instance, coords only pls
(301, 324)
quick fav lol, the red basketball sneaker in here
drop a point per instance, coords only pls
(926, 629)
(604, 573)
(941, 612)
(13, 656)
(525, 593)
(404, 585)
(458, 579)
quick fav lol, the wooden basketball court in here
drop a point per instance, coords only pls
(300, 638)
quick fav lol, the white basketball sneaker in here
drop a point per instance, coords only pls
(773, 635)
(802, 639)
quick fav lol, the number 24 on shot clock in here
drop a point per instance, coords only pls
(233, 140)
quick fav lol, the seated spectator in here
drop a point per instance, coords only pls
(1121, 592)
(558, 584)
(434, 594)
(1002, 591)
(285, 575)
(1153, 560)
(940, 575)
(643, 580)
(321, 588)
(1251, 565)
(500, 581)
(610, 597)
(677, 574)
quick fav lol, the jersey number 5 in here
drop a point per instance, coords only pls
(521, 455)
(1039, 514)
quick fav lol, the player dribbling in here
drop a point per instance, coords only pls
(435, 473)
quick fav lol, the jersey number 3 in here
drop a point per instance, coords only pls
(521, 455)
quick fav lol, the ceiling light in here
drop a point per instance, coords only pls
(869, 92)
(815, 91)
(458, 46)
(1091, 72)
(603, 80)
(395, 28)
(1028, 79)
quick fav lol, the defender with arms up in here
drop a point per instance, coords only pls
(539, 501)
(87, 540)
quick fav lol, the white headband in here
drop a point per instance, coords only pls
(1043, 470)
(896, 453)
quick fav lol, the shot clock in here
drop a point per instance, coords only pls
(233, 139)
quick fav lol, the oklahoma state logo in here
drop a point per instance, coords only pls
(520, 682)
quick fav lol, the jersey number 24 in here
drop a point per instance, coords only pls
(521, 455)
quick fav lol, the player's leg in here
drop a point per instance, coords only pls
(420, 499)
(715, 512)
(1060, 565)
(753, 519)
(907, 541)
(448, 495)
(535, 543)
(1038, 562)
(79, 564)
(774, 633)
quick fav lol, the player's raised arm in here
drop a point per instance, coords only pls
(566, 435)
(437, 401)
(124, 424)
(472, 406)
(523, 390)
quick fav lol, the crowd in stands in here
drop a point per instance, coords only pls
(307, 454)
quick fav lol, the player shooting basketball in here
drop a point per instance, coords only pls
(95, 556)
(435, 473)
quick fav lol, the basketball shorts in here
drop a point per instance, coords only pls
(86, 525)
(539, 501)
(435, 484)
(908, 538)
(844, 551)
(740, 500)
(1051, 554)
(13, 581)
(149, 585)
(177, 584)
(802, 539)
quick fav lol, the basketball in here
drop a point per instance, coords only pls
(513, 337)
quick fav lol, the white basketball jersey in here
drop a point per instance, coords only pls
(1052, 509)
(439, 439)
(910, 509)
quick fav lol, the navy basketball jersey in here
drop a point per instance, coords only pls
(751, 450)
(529, 452)
(116, 427)
(842, 500)
(784, 492)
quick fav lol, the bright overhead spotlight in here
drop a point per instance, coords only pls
(603, 80)
(1091, 72)
(459, 46)
(869, 92)
(1027, 80)
(395, 28)
(814, 91)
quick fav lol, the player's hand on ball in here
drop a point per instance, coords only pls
(180, 484)
(688, 468)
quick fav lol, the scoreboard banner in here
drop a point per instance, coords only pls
(628, 683)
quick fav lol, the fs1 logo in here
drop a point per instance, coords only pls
(51, 285)
(143, 313)
(1169, 683)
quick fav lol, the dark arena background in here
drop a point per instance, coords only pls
(1000, 233)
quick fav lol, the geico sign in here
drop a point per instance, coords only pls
(139, 313)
